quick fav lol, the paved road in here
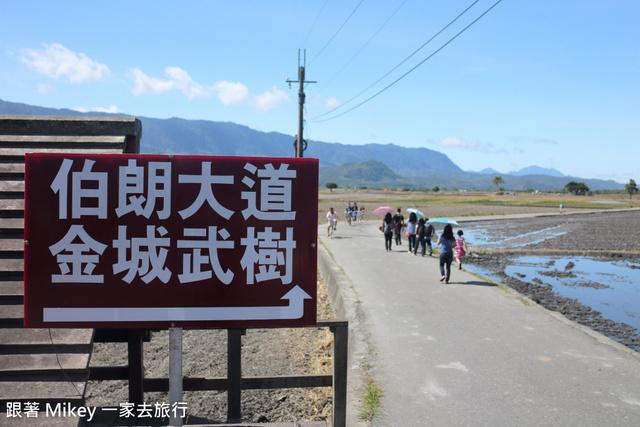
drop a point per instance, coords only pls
(469, 353)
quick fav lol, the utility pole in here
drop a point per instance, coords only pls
(300, 143)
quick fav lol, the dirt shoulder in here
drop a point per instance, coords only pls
(265, 352)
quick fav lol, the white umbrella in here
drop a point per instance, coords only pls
(416, 211)
(444, 221)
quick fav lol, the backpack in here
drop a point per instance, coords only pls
(429, 231)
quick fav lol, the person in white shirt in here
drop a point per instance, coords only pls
(332, 217)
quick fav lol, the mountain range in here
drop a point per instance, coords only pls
(370, 165)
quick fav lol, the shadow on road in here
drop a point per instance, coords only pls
(473, 283)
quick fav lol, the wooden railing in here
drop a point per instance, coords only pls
(235, 382)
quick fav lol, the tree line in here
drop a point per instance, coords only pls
(573, 187)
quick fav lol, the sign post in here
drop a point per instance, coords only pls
(150, 241)
(175, 373)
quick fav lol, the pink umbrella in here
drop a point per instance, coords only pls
(383, 210)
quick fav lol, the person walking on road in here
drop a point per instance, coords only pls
(398, 222)
(387, 229)
(447, 242)
(461, 249)
(421, 234)
(332, 217)
(429, 235)
(412, 224)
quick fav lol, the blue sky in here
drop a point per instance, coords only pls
(550, 83)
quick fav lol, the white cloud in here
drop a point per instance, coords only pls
(178, 79)
(333, 103)
(329, 103)
(56, 61)
(46, 89)
(184, 83)
(112, 109)
(453, 142)
(237, 94)
(269, 100)
(229, 93)
(232, 93)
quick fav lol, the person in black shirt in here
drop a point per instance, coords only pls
(398, 222)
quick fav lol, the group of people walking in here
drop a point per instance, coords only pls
(420, 234)
(352, 214)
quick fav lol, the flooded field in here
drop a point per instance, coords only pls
(612, 288)
(607, 287)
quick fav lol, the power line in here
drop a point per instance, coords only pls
(397, 66)
(314, 23)
(363, 47)
(411, 70)
(336, 33)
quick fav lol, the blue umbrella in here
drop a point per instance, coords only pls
(416, 211)
(444, 221)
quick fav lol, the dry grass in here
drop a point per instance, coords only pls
(465, 203)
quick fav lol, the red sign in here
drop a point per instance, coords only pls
(156, 241)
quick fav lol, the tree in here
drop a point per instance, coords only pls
(631, 187)
(497, 182)
(577, 188)
(331, 186)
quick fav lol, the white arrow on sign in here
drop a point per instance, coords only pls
(294, 310)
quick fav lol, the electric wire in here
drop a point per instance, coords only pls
(336, 33)
(411, 70)
(362, 48)
(397, 66)
(314, 22)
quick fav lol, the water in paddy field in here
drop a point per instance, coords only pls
(611, 287)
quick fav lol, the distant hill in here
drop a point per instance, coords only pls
(487, 171)
(369, 173)
(536, 170)
(371, 165)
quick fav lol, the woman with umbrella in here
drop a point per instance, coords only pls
(447, 243)
(411, 231)
(387, 229)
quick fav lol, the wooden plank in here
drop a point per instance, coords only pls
(11, 167)
(31, 363)
(42, 391)
(11, 186)
(46, 141)
(39, 337)
(11, 313)
(8, 205)
(248, 383)
(11, 223)
(11, 265)
(11, 245)
(20, 152)
(69, 125)
(46, 421)
(11, 289)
